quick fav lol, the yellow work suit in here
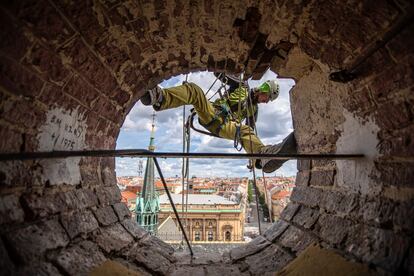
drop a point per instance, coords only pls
(192, 94)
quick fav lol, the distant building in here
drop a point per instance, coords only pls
(208, 218)
(148, 205)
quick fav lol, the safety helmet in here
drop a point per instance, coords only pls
(271, 87)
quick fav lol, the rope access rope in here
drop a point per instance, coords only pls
(252, 161)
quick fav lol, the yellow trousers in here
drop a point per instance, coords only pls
(192, 94)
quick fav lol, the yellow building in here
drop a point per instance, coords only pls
(209, 218)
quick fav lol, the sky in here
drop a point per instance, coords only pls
(273, 124)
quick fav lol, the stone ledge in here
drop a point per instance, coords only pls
(113, 238)
(80, 222)
(275, 230)
(271, 259)
(252, 247)
(80, 259)
(105, 215)
(31, 242)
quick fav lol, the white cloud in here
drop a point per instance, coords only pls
(274, 123)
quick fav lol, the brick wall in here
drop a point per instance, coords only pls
(71, 71)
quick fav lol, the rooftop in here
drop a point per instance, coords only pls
(197, 199)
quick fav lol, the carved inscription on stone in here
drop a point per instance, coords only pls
(64, 130)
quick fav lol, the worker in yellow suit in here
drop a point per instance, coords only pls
(224, 116)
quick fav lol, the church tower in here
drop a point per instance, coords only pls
(148, 204)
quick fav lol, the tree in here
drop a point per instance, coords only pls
(250, 191)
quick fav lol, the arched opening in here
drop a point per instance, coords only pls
(82, 65)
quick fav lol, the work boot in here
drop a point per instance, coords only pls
(152, 97)
(287, 146)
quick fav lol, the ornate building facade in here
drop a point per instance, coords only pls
(208, 218)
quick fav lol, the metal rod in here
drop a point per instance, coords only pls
(172, 204)
(147, 153)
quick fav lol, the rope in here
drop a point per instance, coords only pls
(184, 169)
(252, 161)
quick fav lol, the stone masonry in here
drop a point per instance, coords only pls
(70, 71)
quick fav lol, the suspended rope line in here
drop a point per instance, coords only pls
(252, 161)
(263, 175)
(188, 140)
(211, 86)
(267, 199)
(183, 168)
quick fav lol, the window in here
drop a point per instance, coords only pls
(197, 236)
(228, 236)
(210, 236)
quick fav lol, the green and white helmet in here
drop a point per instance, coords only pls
(271, 87)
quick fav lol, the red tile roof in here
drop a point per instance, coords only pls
(127, 195)
(281, 195)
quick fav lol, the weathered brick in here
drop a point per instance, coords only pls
(17, 174)
(306, 217)
(6, 264)
(46, 22)
(105, 215)
(399, 174)
(108, 195)
(160, 246)
(113, 238)
(377, 246)
(81, 90)
(42, 206)
(10, 140)
(271, 259)
(322, 178)
(12, 40)
(108, 177)
(80, 259)
(376, 211)
(18, 80)
(32, 241)
(86, 198)
(134, 229)
(409, 262)
(399, 143)
(21, 112)
(10, 209)
(390, 115)
(249, 249)
(39, 269)
(149, 257)
(296, 239)
(122, 211)
(274, 231)
(332, 229)
(340, 203)
(401, 215)
(46, 63)
(289, 211)
(302, 178)
(307, 196)
(79, 222)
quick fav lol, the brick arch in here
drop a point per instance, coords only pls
(71, 71)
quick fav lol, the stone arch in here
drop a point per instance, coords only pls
(81, 65)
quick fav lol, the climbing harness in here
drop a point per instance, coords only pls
(223, 112)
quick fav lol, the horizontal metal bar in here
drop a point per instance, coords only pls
(147, 153)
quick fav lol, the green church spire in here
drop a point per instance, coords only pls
(148, 204)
